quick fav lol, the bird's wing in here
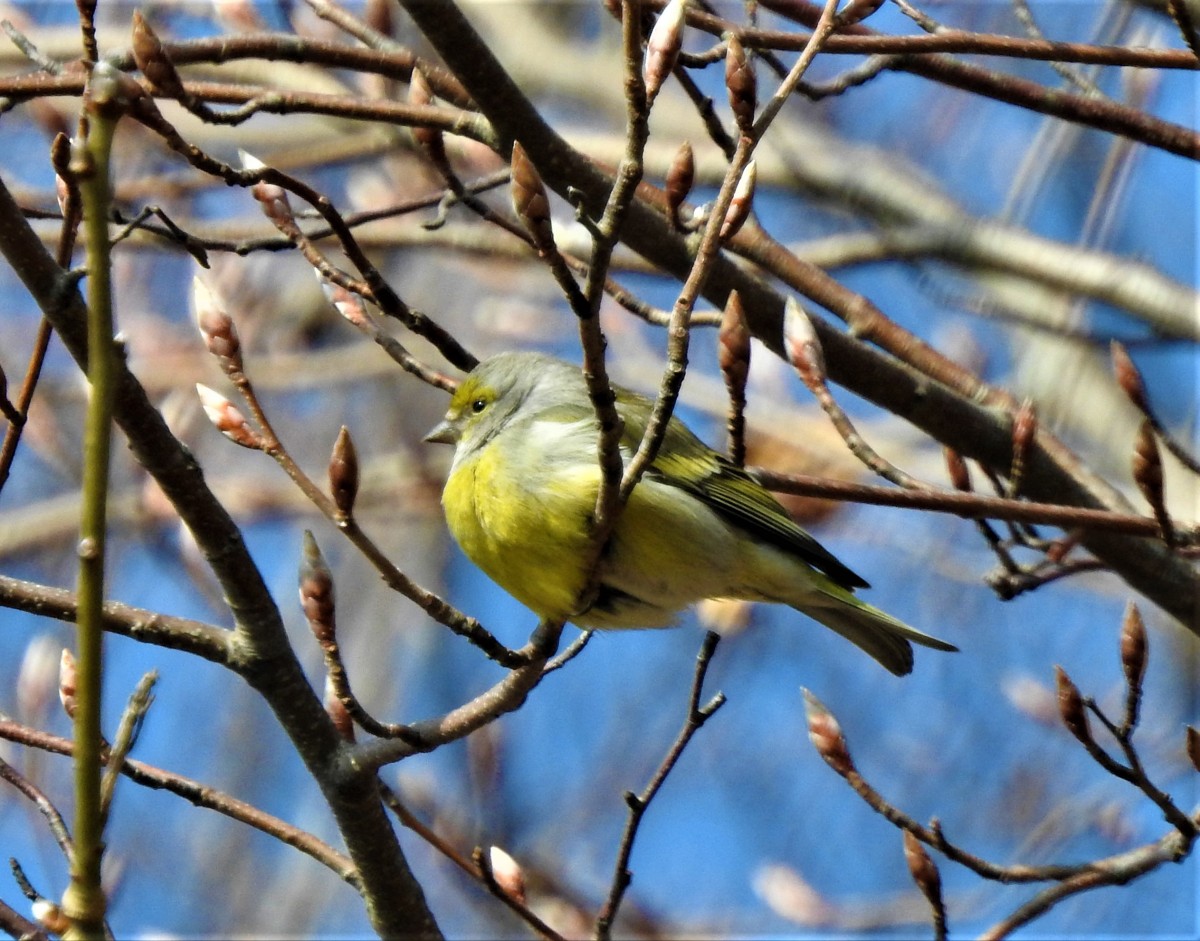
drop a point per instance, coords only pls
(744, 502)
(686, 462)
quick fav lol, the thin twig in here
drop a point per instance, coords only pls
(639, 803)
(476, 867)
(966, 505)
(201, 795)
(54, 819)
(127, 734)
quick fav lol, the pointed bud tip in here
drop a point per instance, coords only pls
(662, 48)
(507, 872)
(1134, 646)
(1070, 706)
(343, 472)
(249, 161)
(826, 735)
(922, 868)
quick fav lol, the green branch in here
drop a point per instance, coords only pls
(84, 902)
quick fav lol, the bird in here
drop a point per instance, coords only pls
(520, 501)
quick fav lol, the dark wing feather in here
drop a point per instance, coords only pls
(686, 462)
(747, 504)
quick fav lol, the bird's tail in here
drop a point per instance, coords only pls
(878, 633)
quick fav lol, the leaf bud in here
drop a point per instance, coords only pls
(733, 344)
(316, 589)
(60, 159)
(802, 345)
(826, 735)
(507, 872)
(923, 869)
(343, 473)
(346, 303)
(1128, 377)
(662, 48)
(856, 11)
(741, 84)
(338, 714)
(1070, 706)
(109, 91)
(153, 59)
(1148, 475)
(51, 917)
(1192, 744)
(529, 200)
(680, 177)
(216, 327)
(1134, 647)
(1147, 464)
(271, 196)
(227, 419)
(741, 204)
(67, 676)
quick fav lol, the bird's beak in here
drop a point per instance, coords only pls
(442, 433)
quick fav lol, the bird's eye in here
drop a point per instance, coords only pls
(479, 405)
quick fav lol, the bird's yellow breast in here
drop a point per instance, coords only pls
(524, 522)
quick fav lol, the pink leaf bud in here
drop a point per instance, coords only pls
(787, 893)
(802, 345)
(226, 418)
(347, 303)
(216, 327)
(316, 589)
(338, 714)
(733, 344)
(67, 675)
(742, 202)
(507, 872)
(271, 197)
(61, 192)
(662, 48)
(826, 735)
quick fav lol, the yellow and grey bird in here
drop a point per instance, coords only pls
(521, 495)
